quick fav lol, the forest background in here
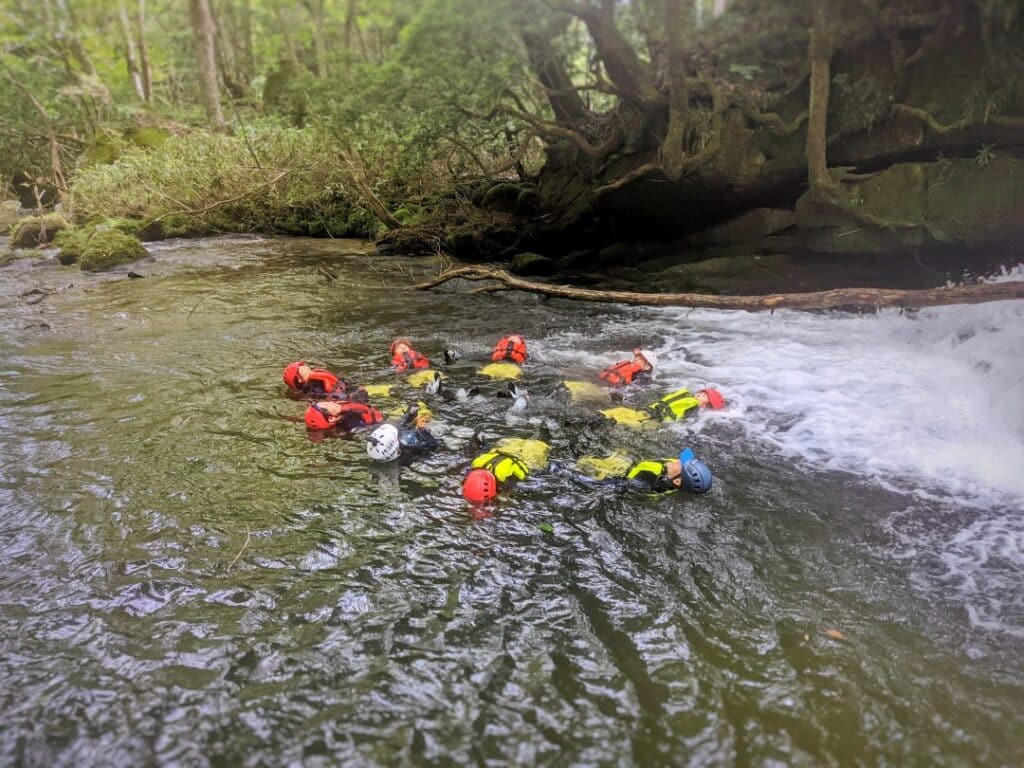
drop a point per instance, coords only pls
(556, 135)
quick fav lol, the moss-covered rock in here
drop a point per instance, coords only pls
(531, 264)
(37, 230)
(72, 242)
(106, 248)
(148, 136)
(502, 197)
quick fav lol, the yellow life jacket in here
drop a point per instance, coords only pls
(502, 466)
(502, 371)
(656, 468)
(674, 406)
(378, 390)
(533, 453)
(615, 465)
(422, 378)
(585, 390)
(631, 417)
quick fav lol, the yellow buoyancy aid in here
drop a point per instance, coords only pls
(422, 378)
(674, 405)
(533, 453)
(601, 467)
(502, 371)
(501, 465)
(378, 390)
(631, 417)
(585, 390)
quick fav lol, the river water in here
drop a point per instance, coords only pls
(188, 579)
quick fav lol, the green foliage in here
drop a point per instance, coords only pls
(203, 183)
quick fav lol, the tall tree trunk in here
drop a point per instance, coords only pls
(351, 21)
(289, 43)
(147, 73)
(224, 39)
(630, 74)
(673, 149)
(246, 24)
(206, 55)
(316, 11)
(130, 55)
(565, 101)
(820, 55)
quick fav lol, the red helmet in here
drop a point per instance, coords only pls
(479, 485)
(715, 399)
(291, 374)
(317, 419)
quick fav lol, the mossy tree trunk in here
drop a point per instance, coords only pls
(820, 56)
(130, 54)
(205, 32)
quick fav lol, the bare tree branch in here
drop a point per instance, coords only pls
(863, 298)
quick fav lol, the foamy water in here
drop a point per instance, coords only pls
(927, 403)
(930, 401)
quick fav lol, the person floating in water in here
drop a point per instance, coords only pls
(508, 354)
(638, 370)
(404, 357)
(672, 407)
(319, 382)
(325, 415)
(684, 472)
(510, 461)
(409, 438)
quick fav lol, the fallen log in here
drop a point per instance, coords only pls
(859, 298)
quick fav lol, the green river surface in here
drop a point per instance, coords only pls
(189, 579)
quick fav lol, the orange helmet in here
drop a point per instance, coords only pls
(396, 342)
(317, 419)
(291, 374)
(715, 399)
(479, 486)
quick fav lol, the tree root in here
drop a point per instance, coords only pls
(861, 298)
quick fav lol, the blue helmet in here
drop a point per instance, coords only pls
(696, 476)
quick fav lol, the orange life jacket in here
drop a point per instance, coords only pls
(324, 379)
(621, 374)
(510, 348)
(366, 413)
(411, 359)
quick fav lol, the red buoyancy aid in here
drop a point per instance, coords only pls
(351, 416)
(366, 413)
(411, 359)
(512, 348)
(621, 374)
(325, 379)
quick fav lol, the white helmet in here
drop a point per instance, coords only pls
(382, 444)
(650, 357)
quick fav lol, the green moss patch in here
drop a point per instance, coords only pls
(37, 230)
